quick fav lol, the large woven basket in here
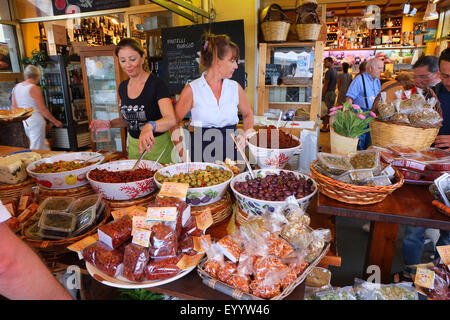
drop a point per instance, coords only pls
(275, 24)
(308, 31)
(384, 133)
(349, 193)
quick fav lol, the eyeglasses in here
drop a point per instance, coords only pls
(424, 77)
(445, 76)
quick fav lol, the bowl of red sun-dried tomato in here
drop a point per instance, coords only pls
(273, 148)
(115, 180)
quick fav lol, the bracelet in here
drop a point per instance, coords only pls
(153, 125)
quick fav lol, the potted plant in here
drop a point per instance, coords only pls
(348, 123)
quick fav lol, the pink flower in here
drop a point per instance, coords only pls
(372, 114)
(340, 107)
(356, 107)
(361, 116)
(333, 109)
(333, 113)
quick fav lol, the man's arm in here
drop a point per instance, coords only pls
(23, 276)
(354, 90)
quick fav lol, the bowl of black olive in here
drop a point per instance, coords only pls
(270, 188)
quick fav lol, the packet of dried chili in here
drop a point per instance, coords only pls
(104, 258)
(162, 268)
(116, 232)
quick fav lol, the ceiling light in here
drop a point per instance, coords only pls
(368, 16)
(406, 8)
(430, 12)
(114, 20)
(413, 12)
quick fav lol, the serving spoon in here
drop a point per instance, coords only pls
(252, 174)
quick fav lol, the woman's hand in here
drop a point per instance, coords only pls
(58, 124)
(97, 125)
(442, 141)
(146, 138)
(242, 140)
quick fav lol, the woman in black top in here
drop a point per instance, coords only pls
(146, 108)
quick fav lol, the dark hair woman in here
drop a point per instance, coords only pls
(343, 81)
(214, 101)
(145, 107)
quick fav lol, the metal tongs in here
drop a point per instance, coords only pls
(252, 174)
(144, 153)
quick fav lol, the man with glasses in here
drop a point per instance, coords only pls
(426, 71)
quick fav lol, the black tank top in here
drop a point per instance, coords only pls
(137, 112)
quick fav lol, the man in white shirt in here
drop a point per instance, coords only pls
(23, 276)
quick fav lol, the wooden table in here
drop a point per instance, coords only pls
(410, 205)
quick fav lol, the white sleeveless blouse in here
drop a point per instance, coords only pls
(206, 113)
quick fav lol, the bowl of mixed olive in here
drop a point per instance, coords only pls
(270, 188)
(208, 182)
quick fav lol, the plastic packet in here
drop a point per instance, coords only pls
(230, 248)
(388, 171)
(186, 246)
(360, 175)
(379, 181)
(385, 109)
(267, 287)
(333, 163)
(319, 238)
(365, 159)
(406, 105)
(374, 291)
(158, 269)
(116, 232)
(183, 210)
(418, 99)
(135, 260)
(267, 263)
(104, 258)
(277, 246)
(318, 277)
(441, 284)
(401, 150)
(294, 212)
(55, 224)
(163, 240)
(214, 258)
(226, 271)
(344, 293)
(274, 221)
(85, 211)
(296, 261)
(298, 235)
(425, 117)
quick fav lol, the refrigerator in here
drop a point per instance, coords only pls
(62, 84)
(102, 76)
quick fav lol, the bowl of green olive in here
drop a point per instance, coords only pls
(208, 182)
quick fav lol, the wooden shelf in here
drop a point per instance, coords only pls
(287, 85)
(291, 44)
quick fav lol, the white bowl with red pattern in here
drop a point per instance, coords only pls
(267, 158)
(126, 190)
(65, 179)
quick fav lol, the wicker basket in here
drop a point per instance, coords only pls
(308, 31)
(14, 191)
(220, 210)
(275, 24)
(384, 133)
(349, 193)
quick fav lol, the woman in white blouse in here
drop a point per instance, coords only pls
(214, 100)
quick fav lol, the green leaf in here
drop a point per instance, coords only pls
(192, 195)
(211, 193)
(139, 294)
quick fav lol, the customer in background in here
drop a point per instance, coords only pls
(214, 101)
(425, 71)
(27, 94)
(145, 107)
(23, 276)
(363, 91)
(343, 82)
(329, 83)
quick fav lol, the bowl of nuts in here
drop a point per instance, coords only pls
(270, 188)
(208, 182)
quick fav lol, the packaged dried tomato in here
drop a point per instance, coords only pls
(181, 206)
(116, 232)
(296, 261)
(186, 246)
(135, 260)
(104, 258)
(163, 240)
(191, 228)
(214, 258)
(267, 264)
(162, 268)
(288, 276)
(241, 282)
(279, 247)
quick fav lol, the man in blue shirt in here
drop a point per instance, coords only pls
(364, 89)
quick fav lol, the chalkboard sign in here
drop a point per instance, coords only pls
(272, 70)
(77, 6)
(181, 51)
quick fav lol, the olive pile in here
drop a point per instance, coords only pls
(276, 187)
(198, 178)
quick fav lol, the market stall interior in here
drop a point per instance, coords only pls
(284, 225)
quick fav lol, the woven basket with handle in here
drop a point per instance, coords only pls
(384, 132)
(354, 194)
(275, 24)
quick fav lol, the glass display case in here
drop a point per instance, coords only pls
(102, 76)
(63, 91)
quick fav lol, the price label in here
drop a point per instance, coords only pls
(444, 252)
(142, 237)
(83, 243)
(131, 211)
(162, 214)
(204, 220)
(201, 242)
(187, 262)
(174, 189)
(424, 278)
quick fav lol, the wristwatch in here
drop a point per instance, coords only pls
(153, 123)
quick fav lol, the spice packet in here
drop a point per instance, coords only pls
(135, 260)
(365, 159)
(158, 269)
(319, 238)
(104, 258)
(374, 291)
(333, 163)
(164, 237)
(116, 232)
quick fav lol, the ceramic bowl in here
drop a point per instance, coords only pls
(256, 207)
(267, 158)
(67, 179)
(128, 190)
(198, 196)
